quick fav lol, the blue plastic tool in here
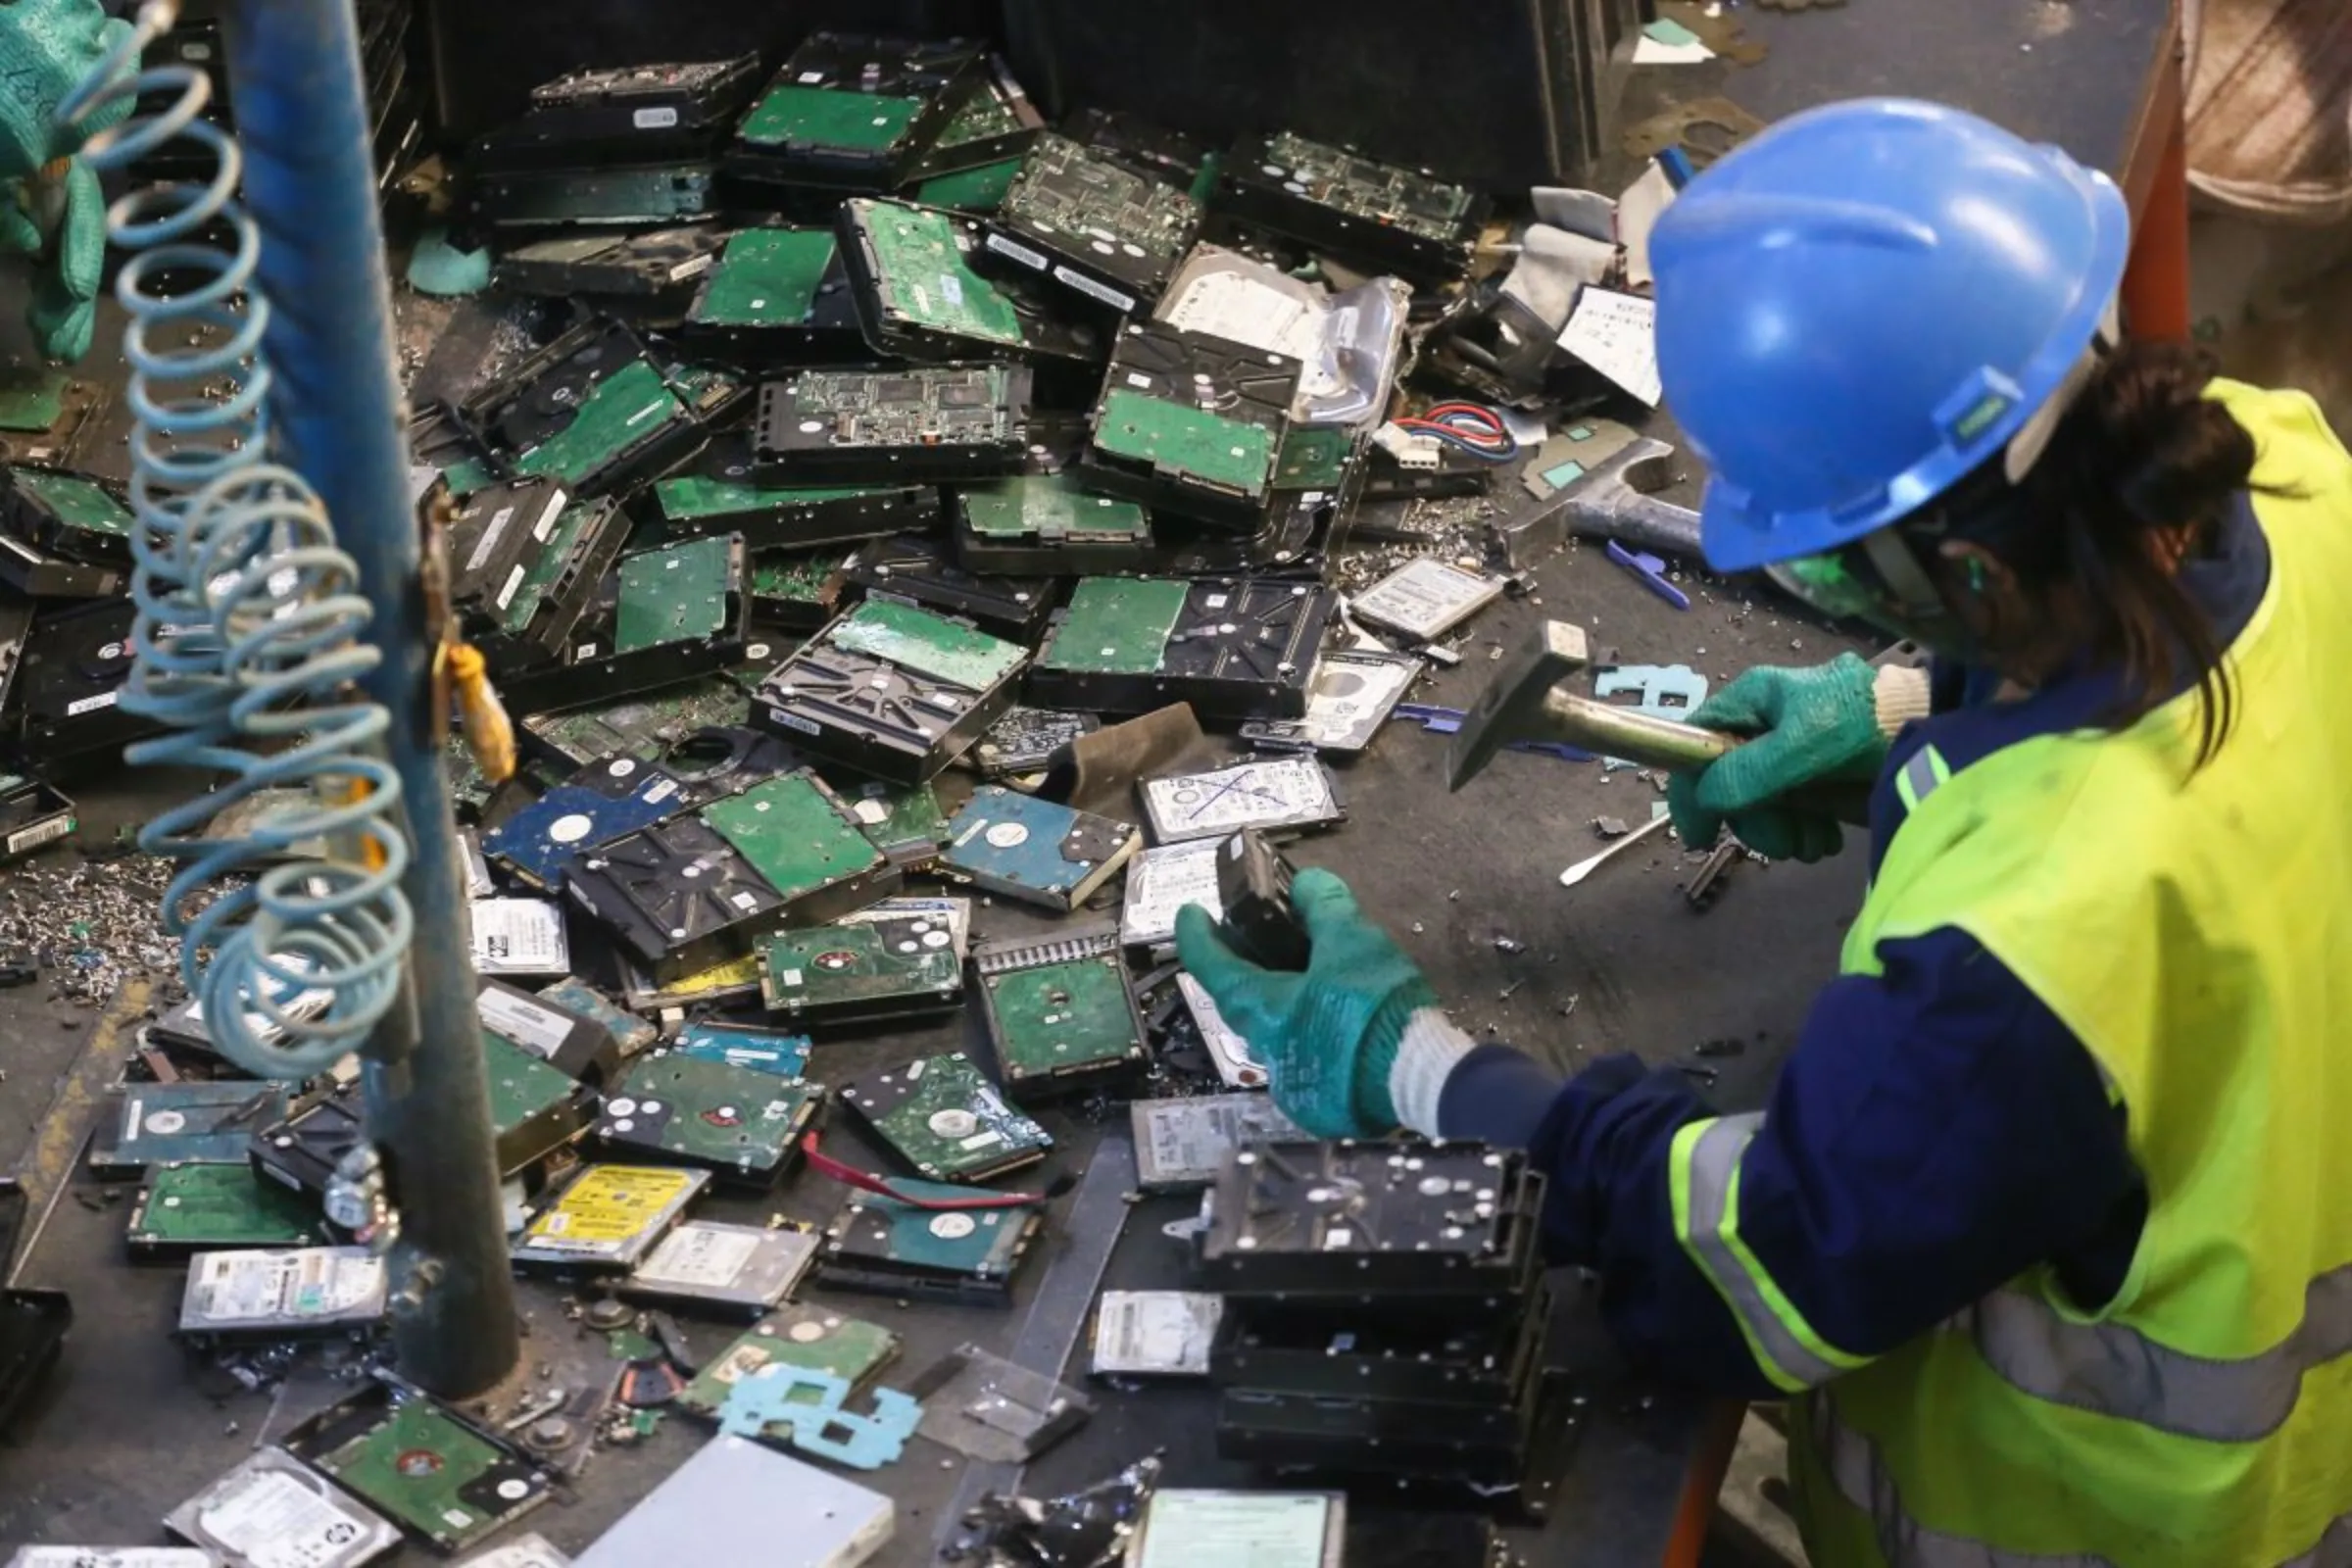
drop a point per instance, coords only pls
(1447, 720)
(1651, 570)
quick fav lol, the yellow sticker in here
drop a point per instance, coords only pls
(735, 973)
(612, 1203)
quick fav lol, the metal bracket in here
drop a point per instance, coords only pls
(827, 1428)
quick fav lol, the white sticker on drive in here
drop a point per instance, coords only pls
(89, 704)
(654, 119)
(488, 543)
(1136, 379)
(1088, 287)
(505, 594)
(793, 721)
(1017, 251)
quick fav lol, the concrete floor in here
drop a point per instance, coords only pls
(2275, 303)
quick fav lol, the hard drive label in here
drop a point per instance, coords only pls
(273, 1522)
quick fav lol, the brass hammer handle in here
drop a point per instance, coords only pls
(1678, 747)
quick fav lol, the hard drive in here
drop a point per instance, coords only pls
(1376, 215)
(1060, 1014)
(976, 190)
(609, 1218)
(743, 1124)
(918, 296)
(1181, 1144)
(650, 195)
(111, 1557)
(1255, 914)
(677, 896)
(1188, 425)
(440, 1478)
(271, 1508)
(1169, 156)
(677, 612)
(852, 111)
(535, 1108)
(890, 1247)
(599, 802)
(493, 534)
(1033, 850)
(1026, 739)
(911, 568)
(815, 1339)
(727, 1500)
(581, 1046)
(1155, 1333)
(1228, 1052)
(1486, 1363)
(1234, 647)
(538, 610)
(186, 1123)
(919, 421)
(946, 1120)
(193, 1208)
(773, 1051)
(77, 519)
(651, 270)
(735, 1268)
(307, 1293)
(1352, 694)
(885, 967)
(1049, 524)
(576, 996)
(808, 843)
(1181, 1527)
(1094, 226)
(69, 681)
(595, 412)
(1425, 598)
(995, 121)
(796, 590)
(624, 114)
(719, 493)
(301, 1151)
(520, 937)
(674, 728)
(1162, 881)
(1286, 793)
(780, 294)
(890, 690)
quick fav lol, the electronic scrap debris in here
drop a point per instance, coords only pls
(743, 1124)
(891, 1248)
(727, 1499)
(773, 1052)
(779, 292)
(853, 111)
(796, 590)
(1254, 896)
(719, 493)
(1049, 524)
(996, 123)
(913, 569)
(890, 965)
(1234, 647)
(535, 1108)
(1352, 694)
(746, 1268)
(677, 612)
(63, 535)
(1425, 598)
(1076, 215)
(918, 296)
(1384, 218)
(561, 576)
(815, 1339)
(272, 1509)
(1155, 1333)
(184, 1123)
(1190, 425)
(69, 676)
(579, 1044)
(1266, 1528)
(808, 843)
(1282, 793)
(194, 1209)
(634, 195)
(1027, 739)
(1034, 850)
(1181, 1145)
(649, 272)
(627, 114)
(1161, 881)
(262, 1296)
(890, 690)
(493, 532)
(599, 801)
(943, 1119)
(442, 1479)
(595, 412)
(609, 1218)
(926, 421)
(1060, 1014)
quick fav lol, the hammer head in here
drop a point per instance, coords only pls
(1512, 706)
(1637, 469)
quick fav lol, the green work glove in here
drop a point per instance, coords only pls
(46, 48)
(1329, 1036)
(1810, 725)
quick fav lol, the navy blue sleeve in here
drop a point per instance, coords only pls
(1934, 1132)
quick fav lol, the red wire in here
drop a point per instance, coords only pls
(825, 1165)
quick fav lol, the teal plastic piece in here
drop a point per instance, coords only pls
(827, 1429)
(441, 269)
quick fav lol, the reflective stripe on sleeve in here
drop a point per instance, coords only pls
(1919, 775)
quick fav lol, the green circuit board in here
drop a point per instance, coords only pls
(709, 1113)
(1051, 507)
(816, 1339)
(853, 964)
(187, 1207)
(619, 411)
(921, 274)
(421, 1467)
(1116, 626)
(1186, 442)
(75, 501)
(946, 1120)
(1313, 457)
(1399, 198)
(693, 496)
(522, 1086)
(796, 833)
(928, 644)
(1054, 1019)
(1077, 198)
(789, 114)
(881, 1235)
(984, 115)
(919, 406)
(541, 574)
(32, 397)
(767, 277)
(643, 727)
(795, 576)
(632, 1031)
(677, 595)
(970, 190)
(903, 822)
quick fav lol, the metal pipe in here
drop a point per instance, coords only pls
(336, 408)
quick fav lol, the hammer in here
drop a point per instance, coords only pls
(1610, 502)
(1523, 703)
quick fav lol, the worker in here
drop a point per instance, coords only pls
(50, 204)
(2045, 1224)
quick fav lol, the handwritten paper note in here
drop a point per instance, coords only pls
(1617, 335)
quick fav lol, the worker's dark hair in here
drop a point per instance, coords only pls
(2141, 456)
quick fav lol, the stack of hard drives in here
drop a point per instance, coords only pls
(1384, 1311)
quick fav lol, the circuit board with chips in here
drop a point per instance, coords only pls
(438, 1477)
(890, 690)
(1190, 425)
(1060, 1014)
(595, 412)
(675, 613)
(538, 610)
(946, 1120)
(916, 285)
(719, 493)
(739, 1122)
(892, 1247)
(1234, 647)
(815, 1338)
(1109, 234)
(646, 727)
(853, 111)
(935, 421)
(1383, 217)
(191, 1208)
(1050, 524)
(608, 1217)
(881, 969)
(805, 841)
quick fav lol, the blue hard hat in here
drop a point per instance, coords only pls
(1866, 303)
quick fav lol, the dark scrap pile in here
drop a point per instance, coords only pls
(880, 459)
